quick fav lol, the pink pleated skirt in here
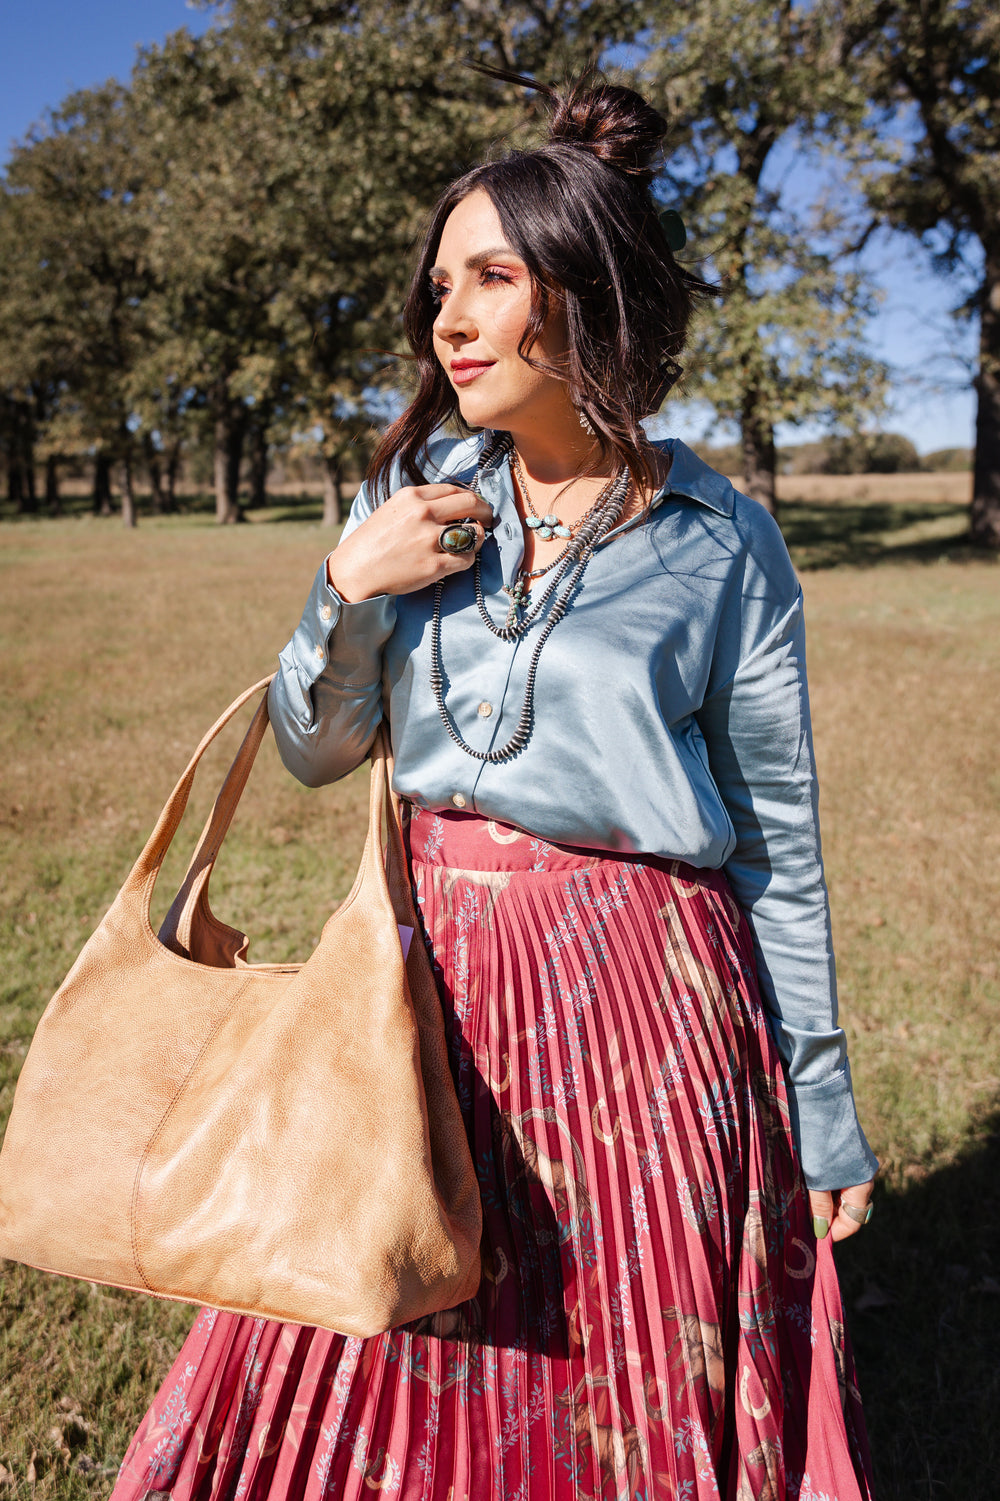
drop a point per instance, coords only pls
(656, 1319)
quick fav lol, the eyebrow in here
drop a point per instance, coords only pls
(481, 259)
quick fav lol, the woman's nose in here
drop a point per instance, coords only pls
(454, 320)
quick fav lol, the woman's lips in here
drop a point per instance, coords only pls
(464, 371)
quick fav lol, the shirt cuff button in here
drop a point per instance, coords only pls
(458, 798)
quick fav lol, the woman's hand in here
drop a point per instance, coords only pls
(829, 1208)
(395, 549)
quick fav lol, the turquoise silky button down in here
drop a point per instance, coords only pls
(671, 719)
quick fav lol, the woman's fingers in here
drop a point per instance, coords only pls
(821, 1205)
(397, 549)
(840, 1212)
(446, 503)
(853, 1210)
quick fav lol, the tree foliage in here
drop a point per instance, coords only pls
(218, 253)
(73, 291)
(264, 184)
(742, 81)
(932, 71)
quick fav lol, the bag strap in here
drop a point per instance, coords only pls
(138, 885)
(396, 864)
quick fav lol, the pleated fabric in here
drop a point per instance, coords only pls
(656, 1319)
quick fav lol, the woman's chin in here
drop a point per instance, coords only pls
(481, 413)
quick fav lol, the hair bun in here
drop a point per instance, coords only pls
(616, 124)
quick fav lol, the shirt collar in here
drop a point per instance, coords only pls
(692, 477)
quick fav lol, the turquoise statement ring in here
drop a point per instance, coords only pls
(458, 536)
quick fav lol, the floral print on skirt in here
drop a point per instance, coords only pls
(656, 1321)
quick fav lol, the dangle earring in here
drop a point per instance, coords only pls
(585, 423)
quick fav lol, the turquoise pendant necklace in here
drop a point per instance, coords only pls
(548, 526)
(545, 527)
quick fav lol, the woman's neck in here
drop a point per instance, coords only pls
(554, 460)
(556, 453)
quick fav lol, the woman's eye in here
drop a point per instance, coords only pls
(494, 274)
(437, 290)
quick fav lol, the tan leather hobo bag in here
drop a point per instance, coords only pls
(275, 1140)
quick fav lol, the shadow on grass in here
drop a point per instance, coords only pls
(201, 504)
(922, 1290)
(866, 533)
(294, 508)
(820, 534)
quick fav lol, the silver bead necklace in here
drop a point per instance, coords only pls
(570, 566)
(520, 588)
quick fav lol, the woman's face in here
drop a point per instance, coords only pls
(484, 291)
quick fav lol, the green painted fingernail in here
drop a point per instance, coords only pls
(821, 1227)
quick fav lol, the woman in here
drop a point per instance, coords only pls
(590, 652)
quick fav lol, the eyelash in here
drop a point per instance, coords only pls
(490, 276)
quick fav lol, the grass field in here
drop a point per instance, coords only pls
(119, 649)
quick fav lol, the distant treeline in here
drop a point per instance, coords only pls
(212, 258)
(863, 453)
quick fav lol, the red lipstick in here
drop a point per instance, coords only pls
(464, 371)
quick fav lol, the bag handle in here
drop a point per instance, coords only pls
(138, 885)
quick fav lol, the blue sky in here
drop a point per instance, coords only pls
(50, 47)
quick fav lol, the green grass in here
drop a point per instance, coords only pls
(118, 651)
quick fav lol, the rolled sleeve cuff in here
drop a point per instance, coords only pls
(832, 1144)
(338, 639)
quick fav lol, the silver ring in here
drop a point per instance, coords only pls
(859, 1213)
(458, 536)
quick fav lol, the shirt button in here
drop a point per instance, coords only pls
(319, 650)
(485, 710)
(508, 530)
(326, 612)
(458, 798)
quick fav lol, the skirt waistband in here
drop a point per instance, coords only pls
(468, 841)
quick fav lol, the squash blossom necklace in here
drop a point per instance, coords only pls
(569, 568)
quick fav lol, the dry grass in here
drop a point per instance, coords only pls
(119, 649)
(881, 489)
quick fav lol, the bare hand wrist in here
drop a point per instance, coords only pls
(345, 586)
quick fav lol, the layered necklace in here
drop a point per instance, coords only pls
(568, 569)
(544, 527)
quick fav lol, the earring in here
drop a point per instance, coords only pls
(585, 423)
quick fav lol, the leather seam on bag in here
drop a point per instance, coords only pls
(137, 1186)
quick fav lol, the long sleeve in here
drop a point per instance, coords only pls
(757, 732)
(325, 701)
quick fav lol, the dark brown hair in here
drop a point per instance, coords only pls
(580, 214)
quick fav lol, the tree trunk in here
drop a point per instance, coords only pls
(173, 465)
(53, 502)
(155, 471)
(230, 426)
(102, 484)
(25, 440)
(258, 462)
(984, 514)
(128, 491)
(15, 474)
(332, 497)
(759, 458)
